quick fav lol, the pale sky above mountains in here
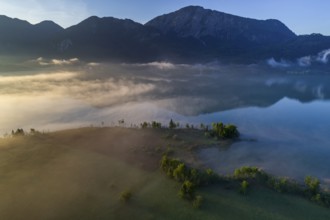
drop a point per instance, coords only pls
(301, 16)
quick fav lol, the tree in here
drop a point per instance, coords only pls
(220, 130)
(244, 187)
(144, 125)
(172, 125)
(247, 172)
(155, 124)
(121, 122)
(230, 131)
(312, 184)
(187, 190)
(179, 172)
(18, 132)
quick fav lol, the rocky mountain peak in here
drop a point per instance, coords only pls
(195, 21)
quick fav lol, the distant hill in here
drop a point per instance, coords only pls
(191, 34)
(18, 36)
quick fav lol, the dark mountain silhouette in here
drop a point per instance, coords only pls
(18, 36)
(191, 34)
(109, 38)
(208, 25)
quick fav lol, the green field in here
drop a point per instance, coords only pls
(81, 174)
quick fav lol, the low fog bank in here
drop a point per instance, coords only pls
(48, 93)
(319, 60)
(283, 109)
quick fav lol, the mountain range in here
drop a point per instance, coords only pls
(191, 34)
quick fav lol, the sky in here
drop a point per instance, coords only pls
(301, 16)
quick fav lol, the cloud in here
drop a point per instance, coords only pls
(323, 56)
(93, 64)
(158, 65)
(304, 61)
(64, 62)
(281, 64)
(44, 62)
(318, 92)
(276, 81)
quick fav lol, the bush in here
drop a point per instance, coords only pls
(179, 172)
(126, 195)
(220, 130)
(187, 190)
(312, 184)
(155, 124)
(172, 125)
(197, 203)
(144, 125)
(18, 132)
(244, 187)
(169, 165)
(246, 172)
(317, 198)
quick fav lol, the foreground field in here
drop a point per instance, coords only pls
(82, 173)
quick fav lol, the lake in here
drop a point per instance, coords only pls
(282, 114)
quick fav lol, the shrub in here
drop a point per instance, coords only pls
(246, 172)
(169, 165)
(155, 124)
(317, 198)
(197, 203)
(172, 125)
(144, 125)
(244, 187)
(195, 177)
(18, 132)
(187, 190)
(312, 184)
(179, 172)
(220, 130)
(126, 195)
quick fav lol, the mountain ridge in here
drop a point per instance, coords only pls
(190, 34)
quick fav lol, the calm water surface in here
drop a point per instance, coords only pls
(286, 115)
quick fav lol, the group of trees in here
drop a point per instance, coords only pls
(311, 188)
(153, 124)
(20, 132)
(189, 178)
(243, 178)
(220, 130)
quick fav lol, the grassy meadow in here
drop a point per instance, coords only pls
(83, 173)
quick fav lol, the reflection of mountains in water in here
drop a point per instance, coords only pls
(238, 91)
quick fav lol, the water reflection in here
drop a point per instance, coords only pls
(286, 113)
(292, 140)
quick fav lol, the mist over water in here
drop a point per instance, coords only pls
(285, 111)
